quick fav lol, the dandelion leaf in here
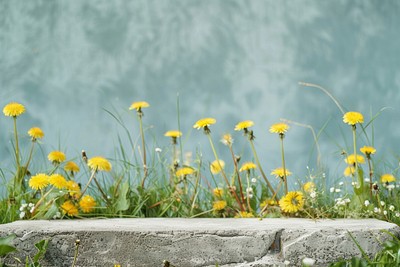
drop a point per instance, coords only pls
(122, 202)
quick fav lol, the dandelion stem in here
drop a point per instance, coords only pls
(16, 143)
(248, 190)
(283, 163)
(101, 191)
(371, 173)
(233, 192)
(90, 179)
(261, 170)
(355, 151)
(144, 148)
(237, 173)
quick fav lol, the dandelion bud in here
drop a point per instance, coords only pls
(84, 157)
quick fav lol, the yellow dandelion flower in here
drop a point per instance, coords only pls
(204, 123)
(368, 150)
(13, 109)
(173, 134)
(74, 189)
(351, 159)
(352, 118)
(87, 203)
(279, 128)
(35, 133)
(248, 166)
(279, 172)
(218, 192)
(71, 166)
(309, 187)
(139, 105)
(349, 171)
(99, 164)
(69, 208)
(292, 202)
(269, 201)
(219, 205)
(58, 181)
(227, 139)
(244, 214)
(56, 157)
(39, 181)
(217, 166)
(184, 171)
(243, 125)
(387, 178)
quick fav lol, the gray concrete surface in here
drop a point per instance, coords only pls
(197, 242)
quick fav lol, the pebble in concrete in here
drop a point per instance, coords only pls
(198, 242)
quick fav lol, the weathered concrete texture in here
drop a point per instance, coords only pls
(198, 242)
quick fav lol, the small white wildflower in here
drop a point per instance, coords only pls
(308, 261)
(390, 187)
(355, 184)
(251, 195)
(391, 208)
(382, 203)
(332, 189)
(21, 208)
(341, 183)
(158, 150)
(30, 205)
(323, 175)
(347, 200)
(337, 190)
(385, 212)
(249, 190)
(377, 210)
(397, 214)
(24, 205)
(254, 180)
(366, 179)
(22, 215)
(32, 210)
(313, 194)
(366, 203)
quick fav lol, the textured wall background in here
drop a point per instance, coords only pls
(232, 60)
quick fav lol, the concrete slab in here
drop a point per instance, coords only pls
(198, 242)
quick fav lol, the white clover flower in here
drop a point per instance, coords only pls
(397, 214)
(338, 190)
(308, 261)
(382, 203)
(332, 189)
(313, 194)
(366, 203)
(391, 208)
(377, 210)
(385, 212)
(254, 180)
(249, 190)
(31, 205)
(22, 215)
